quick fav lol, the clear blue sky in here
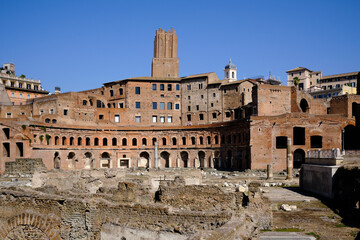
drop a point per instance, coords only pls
(79, 45)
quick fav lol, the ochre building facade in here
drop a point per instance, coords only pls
(167, 121)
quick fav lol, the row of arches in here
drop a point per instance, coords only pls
(104, 160)
(164, 141)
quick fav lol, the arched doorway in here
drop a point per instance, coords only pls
(201, 155)
(71, 160)
(228, 163)
(89, 161)
(217, 160)
(349, 138)
(144, 160)
(105, 161)
(184, 159)
(304, 105)
(299, 158)
(164, 159)
(57, 160)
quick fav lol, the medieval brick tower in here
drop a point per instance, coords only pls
(165, 62)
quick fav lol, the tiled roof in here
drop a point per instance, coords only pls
(340, 75)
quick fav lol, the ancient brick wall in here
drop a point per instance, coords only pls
(24, 166)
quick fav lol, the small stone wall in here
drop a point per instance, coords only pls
(24, 167)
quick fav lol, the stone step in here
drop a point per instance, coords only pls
(285, 235)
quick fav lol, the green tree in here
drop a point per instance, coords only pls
(22, 76)
(296, 81)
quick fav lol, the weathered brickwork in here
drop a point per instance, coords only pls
(167, 121)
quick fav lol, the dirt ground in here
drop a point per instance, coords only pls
(314, 218)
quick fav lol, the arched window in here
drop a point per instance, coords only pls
(105, 142)
(111, 93)
(193, 140)
(47, 120)
(124, 141)
(96, 142)
(56, 140)
(164, 141)
(153, 141)
(201, 140)
(134, 141)
(216, 138)
(144, 142)
(87, 141)
(54, 121)
(63, 140)
(208, 140)
(114, 141)
(71, 141)
(183, 140)
(79, 141)
(173, 141)
(233, 74)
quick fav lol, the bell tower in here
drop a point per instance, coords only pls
(165, 61)
(230, 72)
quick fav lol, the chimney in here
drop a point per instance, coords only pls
(57, 90)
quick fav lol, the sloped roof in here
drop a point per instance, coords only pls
(298, 69)
(340, 75)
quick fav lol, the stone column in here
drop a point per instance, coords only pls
(269, 172)
(289, 160)
(156, 155)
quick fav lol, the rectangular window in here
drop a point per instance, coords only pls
(8, 115)
(162, 105)
(42, 111)
(28, 96)
(161, 87)
(201, 116)
(137, 105)
(188, 87)
(177, 87)
(281, 142)
(117, 118)
(299, 136)
(169, 119)
(177, 106)
(154, 104)
(154, 87)
(197, 107)
(188, 117)
(51, 111)
(65, 112)
(214, 115)
(137, 90)
(214, 94)
(20, 85)
(12, 84)
(316, 141)
(154, 119)
(36, 87)
(121, 91)
(202, 96)
(169, 106)
(189, 97)
(189, 108)
(138, 119)
(211, 104)
(121, 105)
(169, 87)
(200, 85)
(101, 117)
(162, 119)
(28, 86)
(21, 95)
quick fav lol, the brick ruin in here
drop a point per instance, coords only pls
(129, 209)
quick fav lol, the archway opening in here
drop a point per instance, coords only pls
(165, 159)
(184, 159)
(304, 105)
(299, 158)
(144, 160)
(350, 138)
(201, 155)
